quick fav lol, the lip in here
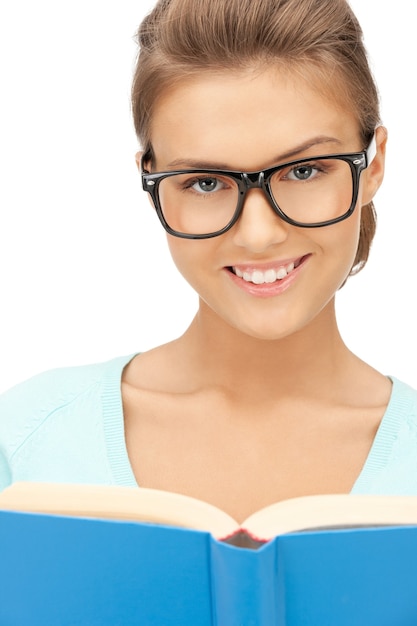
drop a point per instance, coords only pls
(268, 290)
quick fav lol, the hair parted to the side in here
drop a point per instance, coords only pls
(321, 40)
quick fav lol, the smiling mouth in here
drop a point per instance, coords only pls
(271, 275)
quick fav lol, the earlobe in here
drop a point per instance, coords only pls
(374, 174)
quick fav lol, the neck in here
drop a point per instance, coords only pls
(305, 362)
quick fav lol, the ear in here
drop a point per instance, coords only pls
(373, 176)
(138, 159)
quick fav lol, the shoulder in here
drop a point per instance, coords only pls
(57, 386)
(28, 405)
(391, 466)
(403, 402)
(399, 423)
(394, 458)
(50, 387)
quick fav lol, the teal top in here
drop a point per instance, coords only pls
(66, 425)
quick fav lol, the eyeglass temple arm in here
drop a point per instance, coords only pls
(371, 151)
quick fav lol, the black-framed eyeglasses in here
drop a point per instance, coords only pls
(310, 193)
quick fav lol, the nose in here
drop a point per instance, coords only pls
(258, 226)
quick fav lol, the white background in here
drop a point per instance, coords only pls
(85, 273)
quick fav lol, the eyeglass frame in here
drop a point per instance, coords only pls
(357, 161)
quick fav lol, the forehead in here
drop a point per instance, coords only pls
(245, 118)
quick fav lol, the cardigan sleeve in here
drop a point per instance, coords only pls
(5, 474)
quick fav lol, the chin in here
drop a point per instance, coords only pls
(267, 331)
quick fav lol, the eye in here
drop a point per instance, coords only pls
(304, 171)
(206, 184)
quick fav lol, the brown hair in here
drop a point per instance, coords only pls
(180, 38)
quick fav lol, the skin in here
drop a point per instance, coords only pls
(260, 395)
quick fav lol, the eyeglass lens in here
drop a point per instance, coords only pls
(307, 193)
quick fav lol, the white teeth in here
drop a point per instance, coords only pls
(269, 276)
(258, 277)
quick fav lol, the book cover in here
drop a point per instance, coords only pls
(72, 571)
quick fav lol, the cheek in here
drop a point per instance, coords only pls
(190, 257)
(344, 243)
(177, 252)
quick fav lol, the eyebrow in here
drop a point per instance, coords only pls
(286, 156)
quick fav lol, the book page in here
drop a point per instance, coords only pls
(336, 511)
(172, 509)
(122, 503)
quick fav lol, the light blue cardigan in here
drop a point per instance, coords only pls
(66, 425)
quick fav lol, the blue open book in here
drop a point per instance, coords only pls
(73, 555)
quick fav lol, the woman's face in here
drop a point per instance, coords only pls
(250, 121)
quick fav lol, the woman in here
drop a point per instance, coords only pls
(262, 152)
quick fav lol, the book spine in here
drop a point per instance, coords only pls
(244, 585)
